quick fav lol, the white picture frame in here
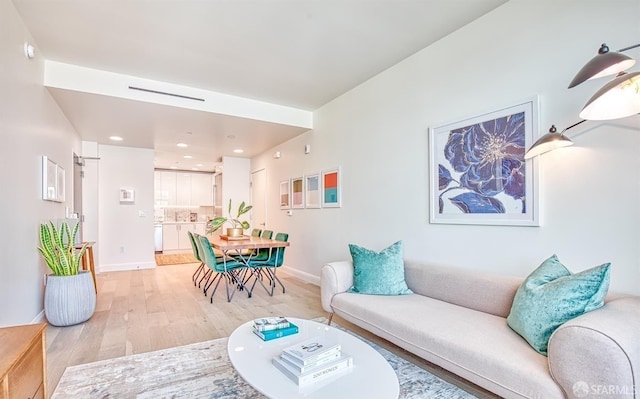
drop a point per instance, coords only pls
(331, 192)
(127, 195)
(312, 190)
(463, 159)
(297, 192)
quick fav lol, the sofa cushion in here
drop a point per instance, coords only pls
(551, 296)
(486, 292)
(475, 345)
(378, 273)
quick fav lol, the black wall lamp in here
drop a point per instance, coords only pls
(617, 99)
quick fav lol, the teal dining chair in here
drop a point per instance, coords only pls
(196, 254)
(226, 269)
(263, 254)
(269, 266)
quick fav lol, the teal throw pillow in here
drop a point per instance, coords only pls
(378, 273)
(551, 296)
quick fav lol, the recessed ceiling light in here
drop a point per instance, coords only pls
(173, 167)
(238, 150)
(187, 156)
(195, 169)
(199, 165)
(115, 138)
(182, 145)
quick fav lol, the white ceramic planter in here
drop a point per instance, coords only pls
(69, 300)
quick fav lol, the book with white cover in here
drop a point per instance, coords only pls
(319, 373)
(313, 349)
(306, 367)
(270, 323)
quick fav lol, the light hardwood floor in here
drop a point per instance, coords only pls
(145, 310)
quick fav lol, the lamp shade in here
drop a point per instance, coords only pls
(548, 142)
(617, 99)
(604, 64)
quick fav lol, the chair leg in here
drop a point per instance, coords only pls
(228, 281)
(277, 279)
(206, 276)
(257, 273)
(219, 277)
(330, 317)
(209, 282)
(197, 273)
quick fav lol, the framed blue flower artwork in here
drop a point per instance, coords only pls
(478, 174)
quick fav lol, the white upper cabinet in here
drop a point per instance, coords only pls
(183, 188)
(201, 189)
(166, 193)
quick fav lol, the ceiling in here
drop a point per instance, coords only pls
(295, 53)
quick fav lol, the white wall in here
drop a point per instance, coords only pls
(378, 133)
(125, 237)
(235, 183)
(31, 125)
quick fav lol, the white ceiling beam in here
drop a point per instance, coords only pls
(88, 80)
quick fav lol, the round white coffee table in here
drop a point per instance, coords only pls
(370, 377)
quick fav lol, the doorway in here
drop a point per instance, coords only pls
(78, 174)
(259, 199)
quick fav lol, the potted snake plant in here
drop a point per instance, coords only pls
(70, 296)
(237, 226)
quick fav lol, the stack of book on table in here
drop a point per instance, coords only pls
(313, 360)
(273, 327)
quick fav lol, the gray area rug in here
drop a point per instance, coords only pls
(203, 370)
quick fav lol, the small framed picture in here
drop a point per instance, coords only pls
(312, 190)
(285, 201)
(60, 183)
(297, 192)
(127, 195)
(331, 191)
(49, 179)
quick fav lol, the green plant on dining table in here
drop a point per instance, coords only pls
(235, 222)
(57, 247)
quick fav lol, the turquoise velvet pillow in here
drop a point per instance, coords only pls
(551, 296)
(378, 273)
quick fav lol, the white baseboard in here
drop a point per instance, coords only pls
(304, 276)
(118, 267)
(39, 318)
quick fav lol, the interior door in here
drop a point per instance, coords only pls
(259, 199)
(77, 192)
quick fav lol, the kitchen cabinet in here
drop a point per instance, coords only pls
(201, 189)
(175, 236)
(165, 188)
(183, 189)
(22, 362)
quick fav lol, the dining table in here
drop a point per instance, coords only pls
(242, 249)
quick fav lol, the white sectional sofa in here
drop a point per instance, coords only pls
(456, 319)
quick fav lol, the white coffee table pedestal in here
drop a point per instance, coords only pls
(370, 377)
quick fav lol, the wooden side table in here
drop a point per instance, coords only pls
(22, 362)
(87, 261)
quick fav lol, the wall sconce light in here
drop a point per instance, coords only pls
(620, 97)
(29, 51)
(277, 155)
(551, 141)
(307, 148)
(617, 99)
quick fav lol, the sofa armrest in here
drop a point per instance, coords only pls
(598, 353)
(335, 277)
